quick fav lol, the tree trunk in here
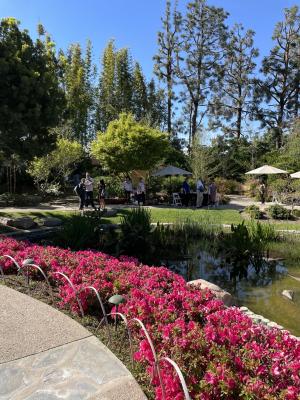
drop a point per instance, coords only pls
(15, 179)
(169, 84)
(190, 127)
(169, 115)
(10, 180)
(194, 119)
(239, 115)
(7, 179)
(239, 123)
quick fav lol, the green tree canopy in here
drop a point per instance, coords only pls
(31, 99)
(55, 166)
(129, 145)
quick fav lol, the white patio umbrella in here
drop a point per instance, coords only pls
(170, 170)
(296, 175)
(266, 170)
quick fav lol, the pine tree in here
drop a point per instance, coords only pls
(234, 99)
(280, 87)
(165, 58)
(199, 56)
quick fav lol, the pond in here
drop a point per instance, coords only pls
(261, 293)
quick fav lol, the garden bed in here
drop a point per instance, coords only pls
(221, 352)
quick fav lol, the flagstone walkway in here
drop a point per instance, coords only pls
(45, 355)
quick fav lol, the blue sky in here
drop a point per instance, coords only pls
(132, 23)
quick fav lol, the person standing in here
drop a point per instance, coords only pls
(212, 193)
(80, 191)
(127, 185)
(141, 192)
(262, 192)
(200, 192)
(101, 194)
(89, 190)
(186, 192)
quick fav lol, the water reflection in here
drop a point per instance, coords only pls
(260, 292)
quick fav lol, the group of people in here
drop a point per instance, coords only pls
(200, 190)
(139, 193)
(85, 192)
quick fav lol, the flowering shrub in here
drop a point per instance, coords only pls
(221, 352)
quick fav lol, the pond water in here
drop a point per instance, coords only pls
(260, 293)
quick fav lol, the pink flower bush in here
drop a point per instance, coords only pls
(221, 352)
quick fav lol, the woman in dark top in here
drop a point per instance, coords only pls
(102, 194)
(80, 191)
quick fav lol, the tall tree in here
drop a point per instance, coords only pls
(165, 58)
(199, 56)
(31, 99)
(106, 110)
(234, 100)
(280, 87)
(78, 75)
(123, 81)
(156, 106)
(139, 99)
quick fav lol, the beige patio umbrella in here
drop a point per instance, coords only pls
(266, 170)
(170, 170)
(296, 175)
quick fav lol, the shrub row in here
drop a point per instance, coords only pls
(222, 354)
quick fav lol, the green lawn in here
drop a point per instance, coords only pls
(213, 216)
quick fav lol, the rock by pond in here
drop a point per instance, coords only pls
(51, 221)
(289, 294)
(22, 223)
(221, 294)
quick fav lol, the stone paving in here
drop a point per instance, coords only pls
(45, 355)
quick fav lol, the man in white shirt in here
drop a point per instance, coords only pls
(200, 191)
(127, 185)
(141, 191)
(89, 190)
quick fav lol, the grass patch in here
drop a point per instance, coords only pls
(164, 215)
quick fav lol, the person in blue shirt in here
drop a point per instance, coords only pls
(186, 192)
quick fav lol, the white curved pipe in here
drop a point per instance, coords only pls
(99, 299)
(180, 375)
(75, 291)
(44, 275)
(156, 361)
(128, 331)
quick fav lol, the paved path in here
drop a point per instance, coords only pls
(45, 355)
(239, 201)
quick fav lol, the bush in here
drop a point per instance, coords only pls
(253, 211)
(80, 232)
(279, 212)
(228, 186)
(135, 238)
(222, 353)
